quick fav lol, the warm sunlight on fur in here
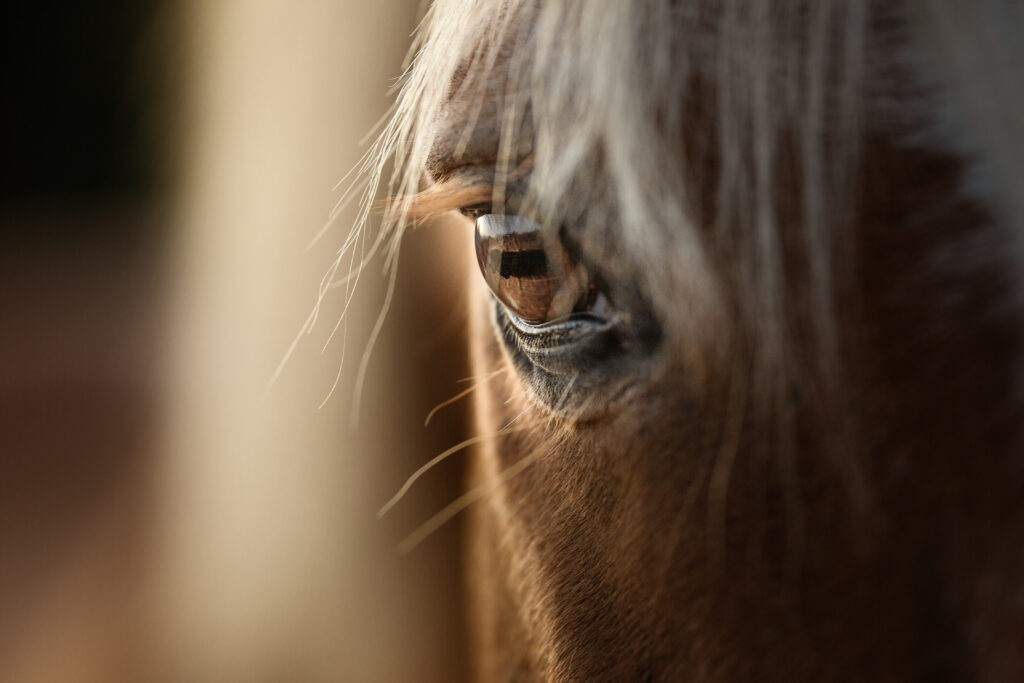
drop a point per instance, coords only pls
(514, 340)
(775, 433)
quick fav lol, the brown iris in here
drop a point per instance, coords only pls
(531, 271)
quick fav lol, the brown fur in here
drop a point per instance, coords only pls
(843, 507)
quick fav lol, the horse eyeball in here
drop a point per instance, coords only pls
(530, 271)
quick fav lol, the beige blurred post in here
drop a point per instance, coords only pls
(264, 549)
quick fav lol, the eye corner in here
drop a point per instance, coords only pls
(475, 211)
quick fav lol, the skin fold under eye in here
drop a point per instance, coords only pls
(532, 272)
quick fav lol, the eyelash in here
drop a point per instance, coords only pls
(475, 211)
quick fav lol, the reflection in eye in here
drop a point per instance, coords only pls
(531, 272)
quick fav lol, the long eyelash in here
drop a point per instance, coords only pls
(437, 199)
(466, 188)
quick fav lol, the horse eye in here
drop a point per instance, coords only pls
(531, 271)
(475, 211)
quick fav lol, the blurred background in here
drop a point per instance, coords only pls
(166, 514)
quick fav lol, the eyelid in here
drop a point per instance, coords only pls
(475, 211)
(451, 194)
(469, 186)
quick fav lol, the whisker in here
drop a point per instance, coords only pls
(565, 393)
(438, 459)
(515, 396)
(461, 394)
(464, 501)
(513, 420)
(473, 378)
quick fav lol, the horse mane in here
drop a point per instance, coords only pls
(605, 87)
(719, 152)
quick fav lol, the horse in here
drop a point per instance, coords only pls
(745, 302)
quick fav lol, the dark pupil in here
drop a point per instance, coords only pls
(523, 263)
(530, 272)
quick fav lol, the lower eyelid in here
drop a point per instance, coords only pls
(561, 349)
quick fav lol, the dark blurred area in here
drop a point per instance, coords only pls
(79, 299)
(80, 81)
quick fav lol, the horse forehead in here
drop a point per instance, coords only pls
(474, 129)
(464, 133)
(473, 126)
